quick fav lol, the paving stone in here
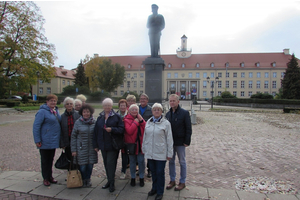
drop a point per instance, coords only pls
(23, 175)
(74, 193)
(194, 192)
(222, 194)
(52, 191)
(5, 174)
(243, 195)
(282, 197)
(23, 186)
(6, 183)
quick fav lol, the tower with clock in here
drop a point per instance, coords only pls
(183, 51)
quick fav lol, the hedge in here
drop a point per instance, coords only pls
(260, 101)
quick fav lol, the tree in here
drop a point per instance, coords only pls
(291, 81)
(24, 50)
(92, 69)
(80, 78)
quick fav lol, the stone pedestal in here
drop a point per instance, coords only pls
(154, 79)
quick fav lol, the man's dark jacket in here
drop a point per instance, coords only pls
(181, 126)
(147, 114)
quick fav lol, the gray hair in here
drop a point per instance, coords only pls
(133, 106)
(145, 95)
(68, 99)
(108, 101)
(78, 100)
(157, 105)
(174, 95)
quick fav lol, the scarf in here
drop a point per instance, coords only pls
(156, 120)
(53, 111)
(87, 121)
(70, 122)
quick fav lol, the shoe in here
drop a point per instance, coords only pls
(84, 183)
(170, 185)
(46, 182)
(142, 183)
(132, 183)
(180, 186)
(52, 180)
(88, 183)
(106, 185)
(152, 192)
(123, 176)
(111, 188)
(159, 197)
(149, 175)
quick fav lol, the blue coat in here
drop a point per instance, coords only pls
(46, 128)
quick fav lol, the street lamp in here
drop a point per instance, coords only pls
(38, 82)
(212, 89)
(217, 80)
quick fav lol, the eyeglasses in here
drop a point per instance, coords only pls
(69, 104)
(78, 105)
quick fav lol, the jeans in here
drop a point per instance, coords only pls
(86, 171)
(141, 162)
(110, 159)
(125, 162)
(157, 168)
(47, 156)
(180, 150)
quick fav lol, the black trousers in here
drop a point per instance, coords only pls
(110, 159)
(47, 156)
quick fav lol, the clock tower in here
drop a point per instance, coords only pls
(183, 52)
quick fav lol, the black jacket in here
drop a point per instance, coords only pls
(64, 137)
(147, 114)
(102, 139)
(181, 126)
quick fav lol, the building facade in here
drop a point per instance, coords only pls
(199, 75)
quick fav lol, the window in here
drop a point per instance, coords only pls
(219, 93)
(250, 84)
(242, 93)
(128, 75)
(249, 93)
(234, 93)
(234, 84)
(242, 84)
(183, 65)
(243, 75)
(282, 74)
(41, 90)
(204, 75)
(190, 75)
(64, 82)
(257, 74)
(220, 74)
(122, 92)
(169, 75)
(115, 92)
(197, 75)
(41, 82)
(169, 65)
(273, 64)
(219, 84)
(129, 66)
(227, 74)
(273, 84)
(134, 84)
(175, 75)
(73, 83)
(141, 92)
(204, 93)
(274, 94)
(250, 75)
(227, 84)
(257, 84)
(128, 84)
(266, 84)
(242, 64)
(141, 75)
(122, 86)
(135, 75)
(234, 74)
(48, 90)
(204, 84)
(257, 64)
(197, 65)
(274, 74)
(68, 82)
(141, 84)
(212, 65)
(212, 75)
(266, 74)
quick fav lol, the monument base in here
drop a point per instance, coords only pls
(154, 68)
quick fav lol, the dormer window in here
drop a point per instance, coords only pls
(257, 64)
(212, 64)
(197, 65)
(273, 64)
(227, 64)
(242, 64)
(142, 66)
(169, 65)
(183, 65)
(129, 66)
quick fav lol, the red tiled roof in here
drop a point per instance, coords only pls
(219, 60)
(64, 73)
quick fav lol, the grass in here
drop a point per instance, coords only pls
(28, 108)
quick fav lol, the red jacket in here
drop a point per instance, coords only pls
(131, 130)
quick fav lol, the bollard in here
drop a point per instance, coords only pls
(193, 118)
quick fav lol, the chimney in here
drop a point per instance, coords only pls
(96, 55)
(61, 66)
(286, 51)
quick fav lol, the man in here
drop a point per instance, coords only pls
(182, 131)
(155, 23)
(146, 112)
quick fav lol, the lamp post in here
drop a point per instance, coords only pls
(38, 82)
(217, 80)
(212, 90)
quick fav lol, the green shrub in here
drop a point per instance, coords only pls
(260, 95)
(13, 104)
(227, 94)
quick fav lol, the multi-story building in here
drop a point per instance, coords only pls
(193, 75)
(63, 77)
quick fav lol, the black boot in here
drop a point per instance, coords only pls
(112, 187)
(132, 183)
(106, 186)
(142, 182)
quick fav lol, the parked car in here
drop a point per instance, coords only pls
(15, 97)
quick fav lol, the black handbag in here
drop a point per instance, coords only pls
(130, 148)
(117, 143)
(62, 162)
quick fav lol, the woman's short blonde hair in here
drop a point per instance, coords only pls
(133, 106)
(68, 99)
(81, 97)
(157, 105)
(130, 96)
(107, 101)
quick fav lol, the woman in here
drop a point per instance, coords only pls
(82, 143)
(158, 148)
(134, 133)
(68, 119)
(125, 159)
(46, 134)
(131, 99)
(82, 98)
(109, 129)
(78, 104)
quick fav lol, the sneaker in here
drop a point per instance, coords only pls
(88, 183)
(123, 175)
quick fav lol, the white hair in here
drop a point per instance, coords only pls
(107, 101)
(157, 105)
(78, 100)
(68, 99)
(133, 106)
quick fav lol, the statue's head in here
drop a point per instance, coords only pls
(154, 8)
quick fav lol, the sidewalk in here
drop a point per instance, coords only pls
(29, 185)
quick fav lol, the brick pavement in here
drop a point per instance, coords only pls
(225, 146)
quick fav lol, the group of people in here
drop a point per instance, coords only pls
(139, 131)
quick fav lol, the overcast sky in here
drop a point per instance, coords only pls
(118, 27)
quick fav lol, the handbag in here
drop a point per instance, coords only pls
(62, 162)
(130, 148)
(74, 179)
(117, 144)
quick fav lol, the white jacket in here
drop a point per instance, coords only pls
(158, 140)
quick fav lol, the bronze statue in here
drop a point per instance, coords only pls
(156, 24)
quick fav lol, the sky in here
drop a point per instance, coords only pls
(118, 27)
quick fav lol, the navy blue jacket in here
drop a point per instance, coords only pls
(181, 126)
(102, 139)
